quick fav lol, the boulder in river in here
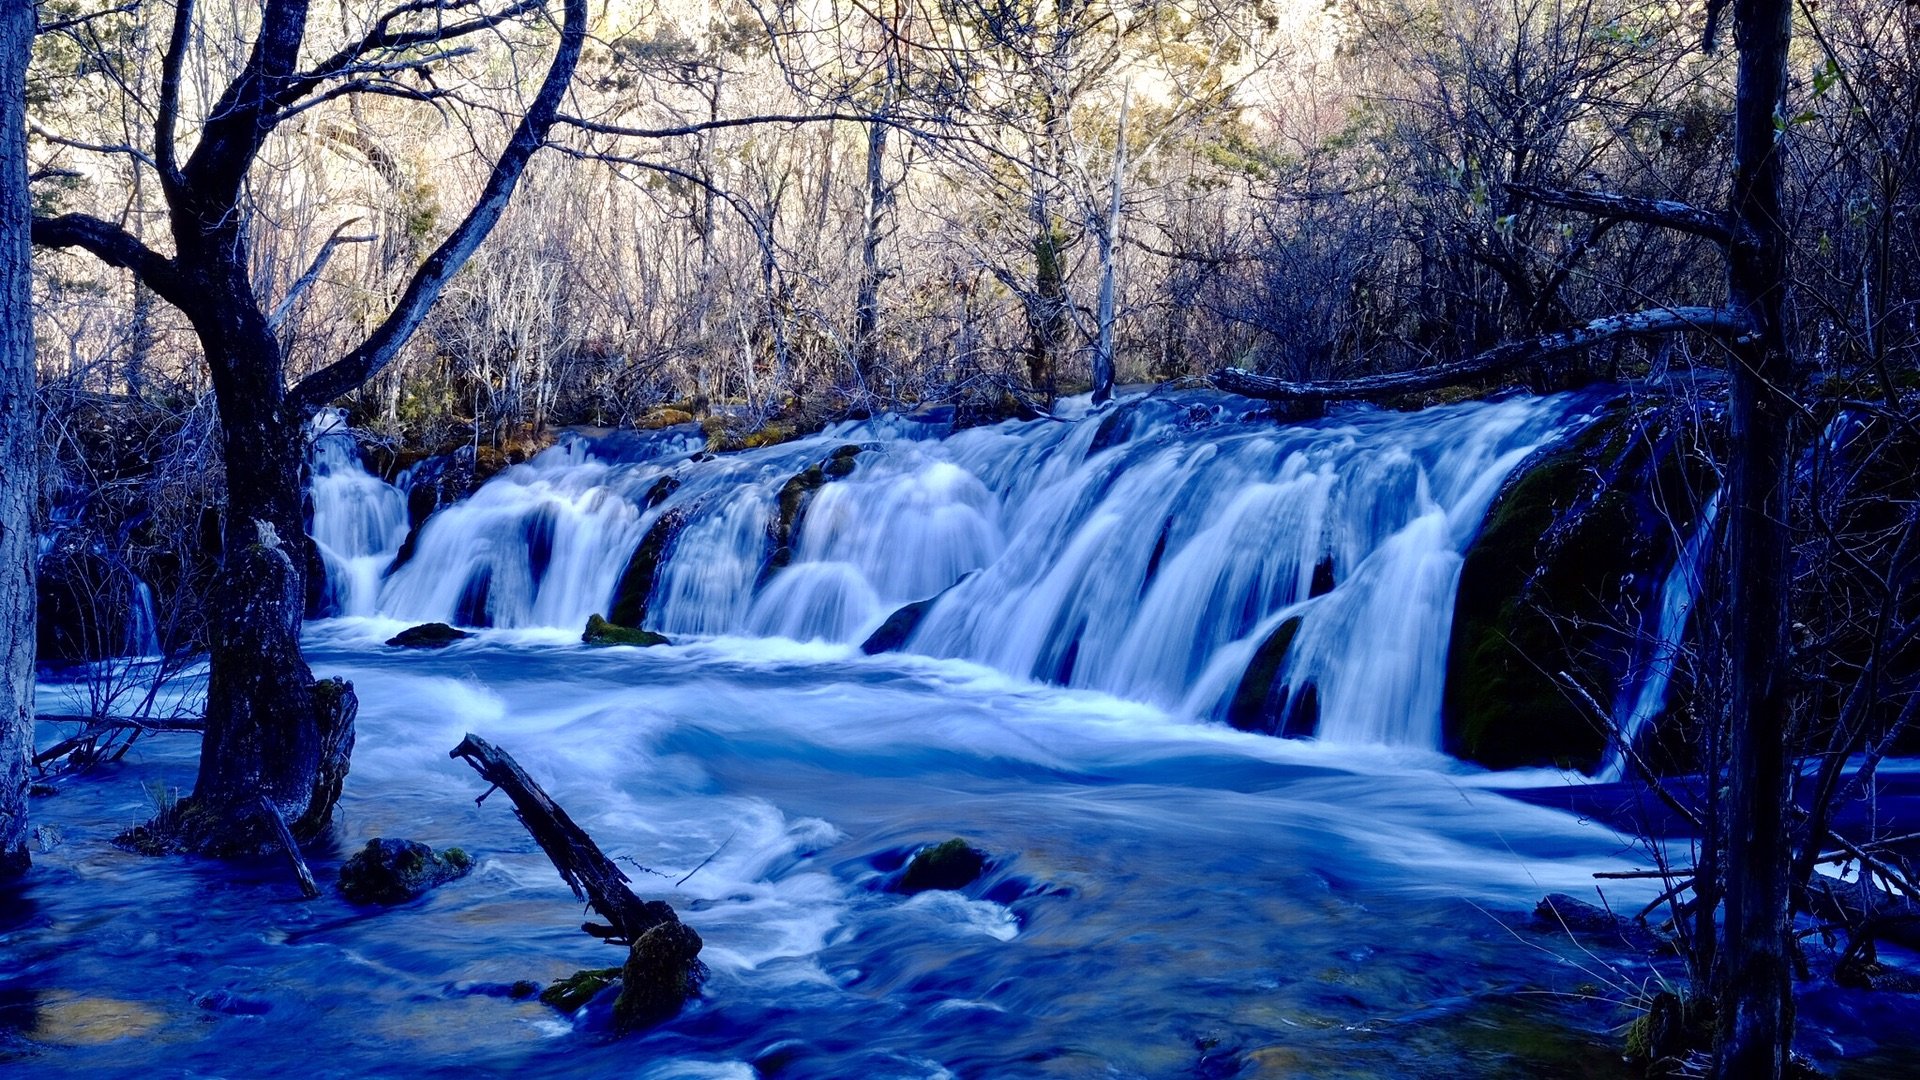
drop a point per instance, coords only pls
(952, 864)
(433, 635)
(601, 632)
(395, 871)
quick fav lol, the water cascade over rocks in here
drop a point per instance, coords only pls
(1147, 550)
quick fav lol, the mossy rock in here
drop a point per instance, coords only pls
(433, 635)
(664, 417)
(601, 632)
(791, 506)
(635, 590)
(395, 871)
(570, 993)
(1559, 580)
(951, 865)
(663, 972)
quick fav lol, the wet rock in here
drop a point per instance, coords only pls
(395, 871)
(577, 989)
(952, 864)
(663, 972)
(433, 635)
(1260, 702)
(631, 596)
(1559, 910)
(792, 502)
(1865, 972)
(1560, 579)
(898, 628)
(601, 632)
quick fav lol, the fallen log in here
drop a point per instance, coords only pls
(1719, 322)
(663, 969)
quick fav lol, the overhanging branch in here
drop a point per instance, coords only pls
(1719, 322)
(114, 246)
(1665, 213)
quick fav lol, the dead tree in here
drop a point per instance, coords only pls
(663, 968)
(267, 729)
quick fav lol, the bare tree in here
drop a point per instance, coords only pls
(270, 730)
(18, 439)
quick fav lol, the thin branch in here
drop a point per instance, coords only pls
(306, 280)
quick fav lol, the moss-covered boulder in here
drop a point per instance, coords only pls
(663, 972)
(791, 506)
(570, 993)
(395, 871)
(951, 864)
(635, 590)
(1562, 578)
(601, 632)
(433, 635)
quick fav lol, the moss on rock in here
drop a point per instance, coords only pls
(635, 591)
(395, 871)
(601, 632)
(663, 972)
(577, 989)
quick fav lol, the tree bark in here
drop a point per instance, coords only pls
(1109, 237)
(18, 439)
(1756, 992)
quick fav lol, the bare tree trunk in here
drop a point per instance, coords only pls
(879, 203)
(1756, 990)
(1109, 237)
(17, 439)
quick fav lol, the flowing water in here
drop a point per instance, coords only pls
(1165, 896)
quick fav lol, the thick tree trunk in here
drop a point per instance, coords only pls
(1756, 992)
(18, 439)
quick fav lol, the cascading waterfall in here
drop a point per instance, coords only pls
(359, 520)
(1145, 549)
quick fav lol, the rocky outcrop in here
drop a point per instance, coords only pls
(791, 506)
(635, 590)
(601, 632)
(433, 635)
(1561, 580)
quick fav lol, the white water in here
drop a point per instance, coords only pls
(359, 520)
(1149, 566)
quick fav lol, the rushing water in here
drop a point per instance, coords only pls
(1166, 896)
(1145, 552)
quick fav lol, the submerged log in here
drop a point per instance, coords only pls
(1720, 322)
(663, 969)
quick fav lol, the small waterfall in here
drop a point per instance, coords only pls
(1145, 549)
(143, 627)
(1644, 697)
(359, 520)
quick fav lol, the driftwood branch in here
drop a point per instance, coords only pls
(1719, 322)
(1665, 213)
(279, 822)
(586, 869)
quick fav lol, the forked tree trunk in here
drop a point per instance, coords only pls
(18, 440)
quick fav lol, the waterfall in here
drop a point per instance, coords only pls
(143, 628)
(1145, 549)
(1644, 696)
(359, 520)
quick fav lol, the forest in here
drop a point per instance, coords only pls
(974, 538)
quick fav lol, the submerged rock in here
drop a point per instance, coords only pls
(395, 871)
(1558, 910)
(1260, 701)
(433, 635)
(663, 972)
(601, 632)
(952, 864)
(577, 989)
